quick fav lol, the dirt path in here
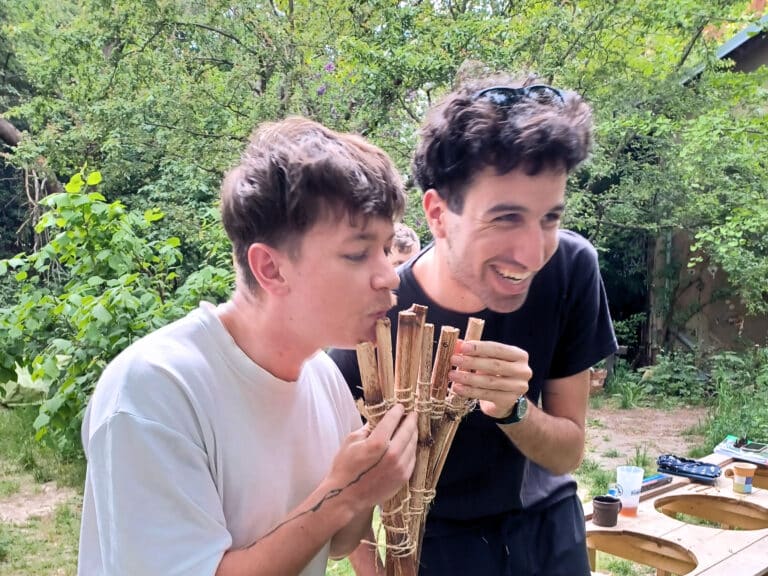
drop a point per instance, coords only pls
(616, 436)
(613, 438)
(33, 500)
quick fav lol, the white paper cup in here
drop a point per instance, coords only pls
(629, 479)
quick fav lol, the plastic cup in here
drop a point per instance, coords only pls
(742, 473)
(629, 479)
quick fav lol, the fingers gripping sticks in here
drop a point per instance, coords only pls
(456, 406)
(412, 379)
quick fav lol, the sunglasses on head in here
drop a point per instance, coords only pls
(508, 96)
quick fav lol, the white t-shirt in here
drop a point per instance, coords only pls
(194, 449)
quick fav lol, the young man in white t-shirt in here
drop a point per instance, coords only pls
(227, 442)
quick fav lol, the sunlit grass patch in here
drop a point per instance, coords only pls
(42, 545)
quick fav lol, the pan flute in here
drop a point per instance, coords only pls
(414, 380)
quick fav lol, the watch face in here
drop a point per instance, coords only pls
(522, 407)
(519, 411)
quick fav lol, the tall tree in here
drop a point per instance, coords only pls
(160, 94)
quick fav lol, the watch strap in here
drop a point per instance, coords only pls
(514, 416)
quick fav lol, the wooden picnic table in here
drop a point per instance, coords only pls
(735, 545)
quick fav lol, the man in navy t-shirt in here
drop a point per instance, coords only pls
(492, 162)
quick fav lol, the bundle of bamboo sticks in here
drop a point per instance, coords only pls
(413, 380)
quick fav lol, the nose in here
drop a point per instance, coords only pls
(385, 277)
(533, 246)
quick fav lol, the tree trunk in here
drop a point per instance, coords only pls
(9, 133)
(38, 182)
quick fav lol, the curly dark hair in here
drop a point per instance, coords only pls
(295, 172)
(465, 133)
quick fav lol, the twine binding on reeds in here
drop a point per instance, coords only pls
(412, 378)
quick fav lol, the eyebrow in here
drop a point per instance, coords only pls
(364, 237)
(518, 208)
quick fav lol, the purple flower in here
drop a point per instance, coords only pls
(321, 90)
(330, 67)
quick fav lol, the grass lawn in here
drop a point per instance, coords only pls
(46, 544)
(42, 545)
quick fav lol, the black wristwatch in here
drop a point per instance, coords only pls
(519, 410)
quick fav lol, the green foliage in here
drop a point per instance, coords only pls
(596, 401)
(21, 455)
(739, 245)
(5, 544)
(631, 393)
(97, 285)
(23, 389)
(733, 384)
(628, 330)
(696, 520)
(8, 488)
(675, 375)
(642, 459)
(103, 82)
(741, 381)
(42, 545)
(593, 479)
(618, 566)
(626, 385)
(161, 96)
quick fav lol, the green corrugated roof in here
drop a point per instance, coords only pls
(756, 29)
(749, 32)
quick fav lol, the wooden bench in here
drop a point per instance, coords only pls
(657, 538)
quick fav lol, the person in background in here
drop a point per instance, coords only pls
(227, 442)
(492, 161)
(405, 245)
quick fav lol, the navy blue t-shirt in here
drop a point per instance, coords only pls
(565, 327)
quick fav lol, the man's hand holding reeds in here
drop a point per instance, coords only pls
(372, 465)
(495, 374)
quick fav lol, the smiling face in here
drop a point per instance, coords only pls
(506, 233)
(340, 281)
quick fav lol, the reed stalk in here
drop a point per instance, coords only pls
(414, 380)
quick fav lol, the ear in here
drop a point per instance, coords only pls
(434, 210)
(265, 264)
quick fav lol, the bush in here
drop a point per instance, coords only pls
(628, 330)
(626, 385)
(95, 286)
(676, 375)
(741, 382)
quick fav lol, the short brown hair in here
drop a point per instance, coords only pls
(463, 134)
(405, 238)
(295, 172)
